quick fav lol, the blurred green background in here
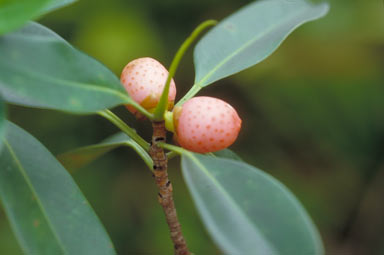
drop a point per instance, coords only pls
(313, 117)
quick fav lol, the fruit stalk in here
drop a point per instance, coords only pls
(165, 195)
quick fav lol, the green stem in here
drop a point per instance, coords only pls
(141, 109)
(193, 91)
(163, 103)
(175, 149)
(124, 127)
(142, 153)
(171, 155)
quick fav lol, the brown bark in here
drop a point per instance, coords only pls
(165, 196)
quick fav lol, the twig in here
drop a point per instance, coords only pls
(160, 165)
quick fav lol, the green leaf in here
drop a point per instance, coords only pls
(2, 121)
(14, 13)
(47, 211)
(39, 69)
(82, 156)
(56, 4)
(249, 36)
(227, 153)
(247, 211)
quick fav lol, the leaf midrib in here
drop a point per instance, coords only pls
(106, 146)
(74, 84)
(38, 201)
(318, 246)
(242, 48)
(39, 37)
(228, 197)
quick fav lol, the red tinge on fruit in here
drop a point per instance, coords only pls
(144, 80)
(206, 124)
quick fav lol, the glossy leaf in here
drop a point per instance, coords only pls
(2, 121)
(39, 69)
(14, 13)
(247, 211)
(249, 36)
(82, 156)
(56, 4)
(227, 153)
(47, 211)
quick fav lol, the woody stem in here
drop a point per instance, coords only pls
(165, 196)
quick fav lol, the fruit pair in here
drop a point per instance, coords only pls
(202, 124)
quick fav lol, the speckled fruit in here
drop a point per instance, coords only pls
(144, 80)
(206, 124)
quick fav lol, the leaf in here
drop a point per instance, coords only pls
(227, 153)
(82, 156)
(47, 211)
(249, 36)
(247, 211)
(56, 4)
(39, 69)
(14, 13)
(2, 122)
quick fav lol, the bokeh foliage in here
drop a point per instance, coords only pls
(312, 113)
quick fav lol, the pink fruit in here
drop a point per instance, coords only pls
(206, 124)
(144, 80)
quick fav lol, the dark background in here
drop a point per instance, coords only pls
(312, 117)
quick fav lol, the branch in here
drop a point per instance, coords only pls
(165, 196)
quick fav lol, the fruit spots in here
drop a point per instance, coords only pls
(202, 124)
(144, 80)
(208, 130)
